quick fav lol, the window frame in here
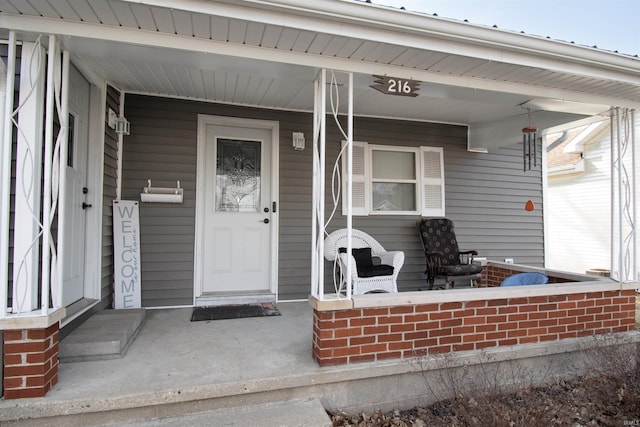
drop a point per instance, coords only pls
(422, 180)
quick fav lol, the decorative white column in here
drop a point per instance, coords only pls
(27, 227)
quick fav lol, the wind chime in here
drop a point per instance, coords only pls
(529, 134)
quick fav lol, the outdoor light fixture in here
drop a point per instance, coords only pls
(298, 141)
(123, 126)
(529, 134)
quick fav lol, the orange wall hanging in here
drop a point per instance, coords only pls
(529, 206)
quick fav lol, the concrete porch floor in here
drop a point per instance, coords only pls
(175, 366)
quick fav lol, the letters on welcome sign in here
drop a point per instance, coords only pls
(126, 242)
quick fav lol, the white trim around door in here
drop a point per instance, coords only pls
(226, 128)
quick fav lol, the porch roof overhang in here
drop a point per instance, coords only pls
(267, 53)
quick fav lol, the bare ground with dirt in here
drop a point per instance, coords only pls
(610, 398)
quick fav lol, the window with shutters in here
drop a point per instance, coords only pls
(391, 180)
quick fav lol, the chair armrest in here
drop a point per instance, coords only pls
(468, 252)
(394, 258)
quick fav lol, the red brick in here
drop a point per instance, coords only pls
(536, 331)
(333, 324)
(24, 347)
(538, 300)
(594, 295)
(517, 317)
(475, 304)
(415, 318)
(496, 335)
(475, 320)
(450, 340)
(333, 362)
(548, 322)
(323, 354)
(473, 338)
(407, 327)
(585, 319)
(526, 324)
(14, 382)
(362, 340)
(461, 330)
(464, 313)
(450, 306)
(496, 319)
(604, 316)
(507, 326)
(516, 333)
(567, 305)
(547, 307)
(549, 337)
(538, 315)
(374, 330)
(12, 359)
(486, 328)
(557, 298)
(609, 294)
(463, 347)
(387, 320)
(41, 334)
(333, 343)
(576, 297)
(527, 308)
(373, 348)
(351, 332)
(510, 341)
(415, 335)
(362, 358)
(405, 309)
(450, 323)
(507, 310)
(571, 334)
(518, 301)
(426, 343)
(347, 314)
(487, 311)
(594, 310)
(427, 326)
(323, 315)
(367, 312)
(426, 308)
(15, 335)
(389, 338)
(557, 329)
(441, 315)
(528, 340)
(325, 334)
(24, 393)
(497, 302)
(403, 345)
(559, 313)
(586, 303)
(439, 332)
(25, 370)
(603, 301)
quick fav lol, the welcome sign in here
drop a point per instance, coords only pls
(126, 245)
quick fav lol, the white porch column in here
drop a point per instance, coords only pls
(624, 214)
(28, 179)
(319, 223)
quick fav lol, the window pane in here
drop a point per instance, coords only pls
(393, 197)
(393, 164)
(238, 176)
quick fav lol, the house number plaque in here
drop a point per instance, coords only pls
(396, 86)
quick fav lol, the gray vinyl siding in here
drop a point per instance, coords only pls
(485, 195)
(108, 195)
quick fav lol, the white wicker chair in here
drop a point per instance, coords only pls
(360, 239)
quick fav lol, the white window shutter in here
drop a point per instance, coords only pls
(360, 195)
(432, 181)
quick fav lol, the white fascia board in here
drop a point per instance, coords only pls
(27, 24)
(394, 26)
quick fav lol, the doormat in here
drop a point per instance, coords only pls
(233, 312)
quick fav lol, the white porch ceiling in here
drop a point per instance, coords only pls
(246, 52)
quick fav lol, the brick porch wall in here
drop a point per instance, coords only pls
(30, 361)
(374, 334)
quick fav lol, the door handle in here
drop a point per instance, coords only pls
(85, 205)
(266, 220)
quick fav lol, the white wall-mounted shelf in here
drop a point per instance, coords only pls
(161, 194)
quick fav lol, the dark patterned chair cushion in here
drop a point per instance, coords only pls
(461, 269)
(439, 236)
(367, 265)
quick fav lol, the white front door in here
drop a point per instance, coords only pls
(236, 218)
(73, 249)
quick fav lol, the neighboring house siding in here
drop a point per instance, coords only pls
(579, 212)
(108, 195)
(479, 195)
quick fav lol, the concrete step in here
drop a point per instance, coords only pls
(291, 413)
(105, 335)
